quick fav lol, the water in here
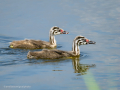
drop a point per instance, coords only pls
(96, 69)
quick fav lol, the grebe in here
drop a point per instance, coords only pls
(37, 44)
(53, 54)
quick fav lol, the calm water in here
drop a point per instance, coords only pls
(96, 69)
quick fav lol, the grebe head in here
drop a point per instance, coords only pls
(56, 31)
(81, 40)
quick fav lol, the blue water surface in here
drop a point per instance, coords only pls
(97, 68)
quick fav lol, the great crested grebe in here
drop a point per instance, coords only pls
(53, 54)
(36, 44)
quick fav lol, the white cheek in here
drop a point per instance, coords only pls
(85, 43)
(58, 33)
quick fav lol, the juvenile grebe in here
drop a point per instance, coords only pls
(53, 54)
(37, 44)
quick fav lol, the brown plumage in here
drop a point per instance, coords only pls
(30, 44)
(49, 54)
(37, 44)
(53, 54)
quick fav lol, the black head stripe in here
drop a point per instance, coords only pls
(55, 28)
(54, 31)
(79, 37)
(78, 42)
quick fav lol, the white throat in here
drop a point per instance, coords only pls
(52, 38)
(75, 48)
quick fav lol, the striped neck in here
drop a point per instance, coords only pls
(75, 47)
(52, 37)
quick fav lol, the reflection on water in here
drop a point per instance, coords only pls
(80, 68)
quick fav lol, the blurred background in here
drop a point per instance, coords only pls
(98, 65)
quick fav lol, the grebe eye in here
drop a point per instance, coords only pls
(60, 30)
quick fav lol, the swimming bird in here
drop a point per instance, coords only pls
(54, 53)
(37, 44)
